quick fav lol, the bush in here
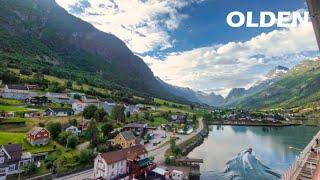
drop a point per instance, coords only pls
(27, 72)
(86, 156)
(55, 129)
(72, 141)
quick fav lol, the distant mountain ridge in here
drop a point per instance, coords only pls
(297, 87)
(237, 94)
(194, 96)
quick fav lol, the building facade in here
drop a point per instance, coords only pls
(38, 136)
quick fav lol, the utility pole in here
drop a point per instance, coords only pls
(314, 9)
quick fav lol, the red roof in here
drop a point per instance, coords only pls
(123, 154)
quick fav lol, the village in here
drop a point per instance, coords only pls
(53, 134)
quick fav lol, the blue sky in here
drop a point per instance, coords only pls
(188, 42)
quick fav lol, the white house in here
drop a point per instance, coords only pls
(108, 106)
(111, 165)
(73, 130)
(132, 109)
(78, 106)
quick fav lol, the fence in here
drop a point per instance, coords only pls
(293, 171)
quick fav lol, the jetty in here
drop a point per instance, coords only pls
(307, 164)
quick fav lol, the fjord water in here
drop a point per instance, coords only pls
(274, 149)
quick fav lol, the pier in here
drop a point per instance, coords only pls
(307, 164)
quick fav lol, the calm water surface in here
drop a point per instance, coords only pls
(270, 146)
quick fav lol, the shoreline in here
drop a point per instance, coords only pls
(255, 124)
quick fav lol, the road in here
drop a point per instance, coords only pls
(158, 155)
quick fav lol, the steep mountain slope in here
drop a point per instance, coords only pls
(238, 94)
(193, 96)
(298, 87)
(39, 34)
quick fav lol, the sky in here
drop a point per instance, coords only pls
(188, 43)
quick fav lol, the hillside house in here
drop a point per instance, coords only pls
(59, 98)
(78, 106)
(19, 92)
(38, 136)
(4, 115)
(138, 128)
(179, 118)
(125, 139)
(108, 106)
(31, 114)
(38, 100)
(124, 163)
(132, 109)
(12, 159)
(59, 112)
(73, 130)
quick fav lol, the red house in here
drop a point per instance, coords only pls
(38, 136)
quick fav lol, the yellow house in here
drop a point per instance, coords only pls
(125, 139)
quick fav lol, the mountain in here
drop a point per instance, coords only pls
(193, 96)
(298, 87)
(42, 36)
(235, 93)
(238, 94)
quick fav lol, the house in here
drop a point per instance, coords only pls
(58, 97)
(122, 164)
(89, 102)
(84, 124)
(38, 100)
(12, 159)
(108, 106)
(33, 86)
(19, 92)
(38, 136)
(125, 139)
(31, 114)
(4, 115)
(60, 112)
(131, 109)
(138, 128)
(78, 106)
(179, 118)
(177, 175)
(154, 108)
(73, 130)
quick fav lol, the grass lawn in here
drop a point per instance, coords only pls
(20, 138)
(10, 101)
(157, 121)
(13, 108)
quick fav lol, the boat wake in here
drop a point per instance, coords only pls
(242, 167)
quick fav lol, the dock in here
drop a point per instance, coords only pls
(307, 164)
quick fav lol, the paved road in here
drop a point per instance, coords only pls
(158, 155)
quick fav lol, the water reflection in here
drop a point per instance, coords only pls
(270, 144)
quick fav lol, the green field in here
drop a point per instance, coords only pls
(6, 108)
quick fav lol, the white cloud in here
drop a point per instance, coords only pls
(143, 25)
(236, 64)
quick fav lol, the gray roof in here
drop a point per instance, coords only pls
(136, 125)
(14, 150)
(128, 135)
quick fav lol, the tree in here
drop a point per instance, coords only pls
(194, 118)
(30, 168)
(77, 96)
(89, 111)
(86, 156)
(69, 84)
(72, 141)
(99, 114)
(93, 133)
(54, 129)
(63, 138)
(73, 122)
(107, 129)
(117, 113)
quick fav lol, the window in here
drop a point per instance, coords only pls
(1, 160)
(1, 153)
(112, 166)
(12, 167)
